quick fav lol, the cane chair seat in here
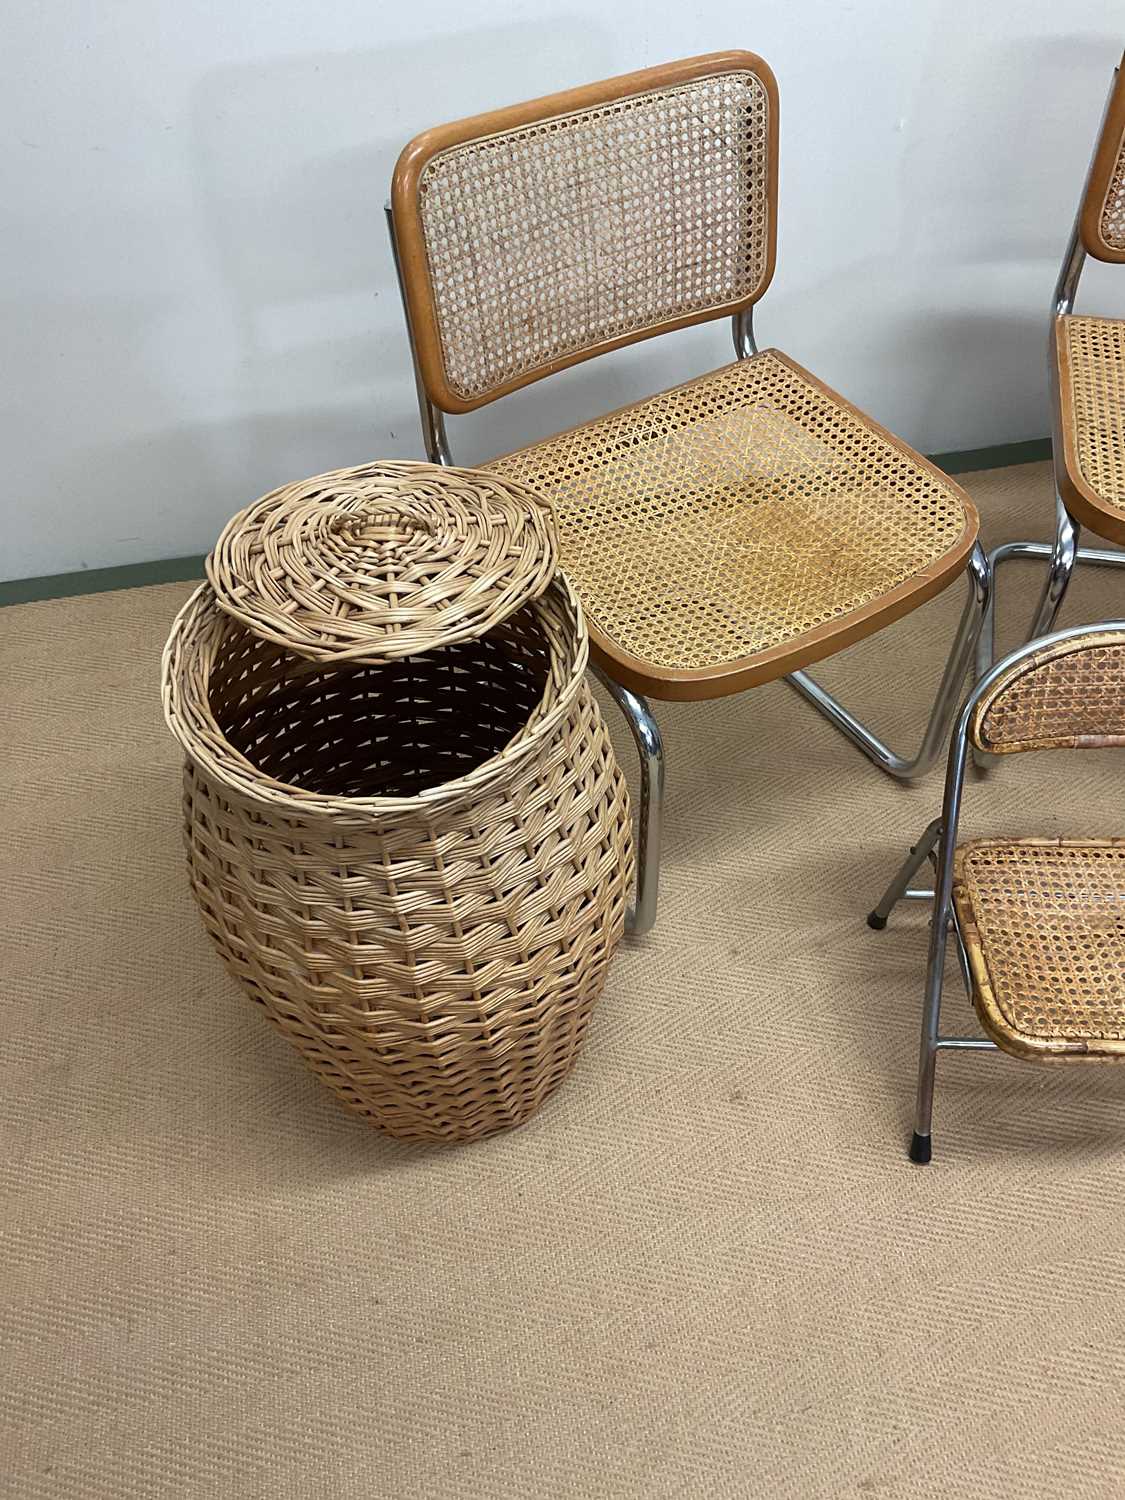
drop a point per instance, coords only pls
(1043, 923)
(1091, 386)
(743, 525)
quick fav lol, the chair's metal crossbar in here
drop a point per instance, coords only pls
(948, 695)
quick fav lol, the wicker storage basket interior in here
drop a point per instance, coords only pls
(406, 829)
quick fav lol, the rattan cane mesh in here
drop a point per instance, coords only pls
(1111, 222)
(1044, 927)
(382, 561)
(1094, 403)
(735, 513)
(1064, 696)
(431, 946)
(574, 231)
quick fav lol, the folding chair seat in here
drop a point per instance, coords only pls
(1043, 923)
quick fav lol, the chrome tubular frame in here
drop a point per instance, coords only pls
(899, 888)
(650, 823)
(957, 666)
(1063, 553)
(938, 841)
(433, 420)
(742, 327)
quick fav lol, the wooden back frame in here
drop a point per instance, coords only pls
(409, 233)
(1103, 168)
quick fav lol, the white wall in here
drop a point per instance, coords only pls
(199, 301)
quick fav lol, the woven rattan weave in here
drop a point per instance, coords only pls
(543, 233)
(418, 865)
(1102, 213)
(575, 231)
(1044, 931)
(1091, 364)
(384, 560)
(746, 519)
(1112, 218)
(1060, 698)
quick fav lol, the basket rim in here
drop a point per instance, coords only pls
(240, 777)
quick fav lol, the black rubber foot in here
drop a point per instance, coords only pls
(876, 921)
(921, 1148)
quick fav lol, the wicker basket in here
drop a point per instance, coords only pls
(406, 829)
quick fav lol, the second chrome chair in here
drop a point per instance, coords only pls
(1086, 378)
(727, 532)
(1037, 923)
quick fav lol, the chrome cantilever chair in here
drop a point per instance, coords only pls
(1038, 923)
(1086, 375)
(721, 534)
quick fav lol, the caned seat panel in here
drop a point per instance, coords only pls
(1043, 923)
(750, 522)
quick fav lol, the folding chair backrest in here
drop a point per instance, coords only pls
(536, 236)
(1069, 695)
(1103, 207)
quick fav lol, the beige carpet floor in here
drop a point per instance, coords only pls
(705, 1269)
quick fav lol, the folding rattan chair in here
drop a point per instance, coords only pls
(1038, 923)
(721, 534)
(1086, 375)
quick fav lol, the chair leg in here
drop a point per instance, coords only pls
(650, 750)
(921, 1141)
(1062, 555)
(986, 640)
(894, 893)
(1059, 571)
(948, 696)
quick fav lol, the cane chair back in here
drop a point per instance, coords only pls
(1069, 695)
(536, 236)
(1103, 206)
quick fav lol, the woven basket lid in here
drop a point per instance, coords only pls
(384, 560)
